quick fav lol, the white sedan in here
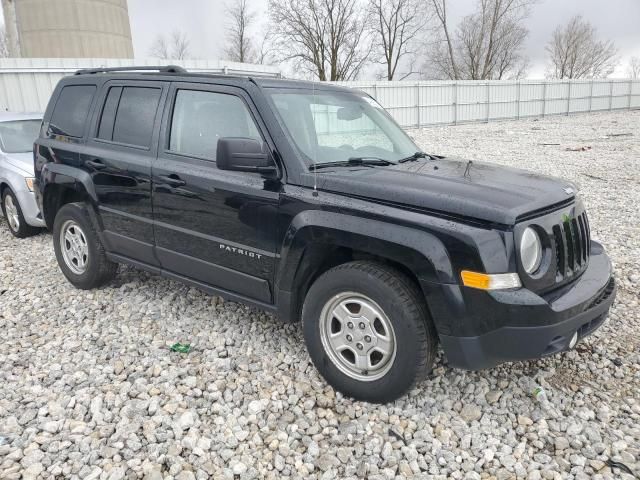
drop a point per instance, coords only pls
(17, 134)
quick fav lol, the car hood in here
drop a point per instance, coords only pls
(23, 161)
(453, 187)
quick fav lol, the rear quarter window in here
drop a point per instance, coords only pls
(70, 113)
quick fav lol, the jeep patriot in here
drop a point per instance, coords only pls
(309, 201)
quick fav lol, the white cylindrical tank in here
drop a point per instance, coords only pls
(72, 28)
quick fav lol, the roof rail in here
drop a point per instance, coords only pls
(161, 68)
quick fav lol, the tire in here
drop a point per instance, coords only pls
(17, 224)
(84, 261)
(401, 327)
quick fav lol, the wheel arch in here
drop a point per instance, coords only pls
(318, 240)
(62, 184)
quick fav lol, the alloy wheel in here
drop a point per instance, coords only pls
(11, 211)
(74, 246)
(357, 336)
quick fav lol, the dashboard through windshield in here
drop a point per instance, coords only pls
(329, 126)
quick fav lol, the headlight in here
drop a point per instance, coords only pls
(29, 181)
(530, 250)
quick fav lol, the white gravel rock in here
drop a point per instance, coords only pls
(90, 387)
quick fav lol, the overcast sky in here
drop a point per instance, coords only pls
(204, 20)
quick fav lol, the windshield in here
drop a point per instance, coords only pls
(18, 136)
(336, 126)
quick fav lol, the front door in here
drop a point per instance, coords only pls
(213, 226)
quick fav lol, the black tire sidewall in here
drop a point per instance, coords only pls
(409, 340)
(78, 214)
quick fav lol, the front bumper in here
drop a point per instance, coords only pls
(520, 325)
(30, 209)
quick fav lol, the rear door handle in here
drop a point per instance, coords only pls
(172, 180)
(96, 164)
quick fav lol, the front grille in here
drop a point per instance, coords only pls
(573, 243)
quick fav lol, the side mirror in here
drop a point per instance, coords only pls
(243, 155)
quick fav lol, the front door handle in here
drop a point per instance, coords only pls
(172, 180)
(96, 164)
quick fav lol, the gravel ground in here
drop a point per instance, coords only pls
(89, 388)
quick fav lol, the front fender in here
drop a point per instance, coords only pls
(420, 251)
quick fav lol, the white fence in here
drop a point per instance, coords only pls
(418, 104)
(26, 83)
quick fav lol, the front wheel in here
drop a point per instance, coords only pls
(367, 331)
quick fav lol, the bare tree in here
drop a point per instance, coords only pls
(326, 38)
(576, 52)
(396, 25)
(488, 44)
(633, 70)
(160, 48)
(240, 47)
(175, 47)
(443, 57)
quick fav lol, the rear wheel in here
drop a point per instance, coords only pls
(78, 249)
(13, 215)
(367, 331)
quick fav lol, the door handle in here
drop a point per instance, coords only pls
(172, 180)
(96, 164)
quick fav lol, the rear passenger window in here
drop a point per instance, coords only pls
(71, 110)
(201, 118)
(128, 115)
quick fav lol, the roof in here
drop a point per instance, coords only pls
(9, 116)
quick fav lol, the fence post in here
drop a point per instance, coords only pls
(488, 100)
(569, 99)
(630, 92)
(518, 100)
(455, 103)
(591, 97)
(610, 95)
(544, 99)
(418, 103)
(375, 92)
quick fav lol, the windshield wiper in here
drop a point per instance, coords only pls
(416, 156)
(354, 161)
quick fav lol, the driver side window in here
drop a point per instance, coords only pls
(201, 118)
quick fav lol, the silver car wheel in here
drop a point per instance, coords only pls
(11, 211)
(357, 336)
(75, 250)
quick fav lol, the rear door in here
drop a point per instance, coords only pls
(120, 151)
(214, 226)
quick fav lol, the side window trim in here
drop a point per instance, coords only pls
(112, 122)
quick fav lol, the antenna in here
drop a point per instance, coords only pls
(315, 147)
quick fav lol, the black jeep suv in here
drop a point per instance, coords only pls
(309, 201)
